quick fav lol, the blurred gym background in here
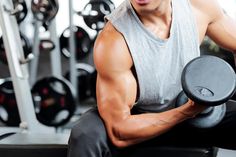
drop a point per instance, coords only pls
(85, 97)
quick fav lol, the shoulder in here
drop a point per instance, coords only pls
(110, 51)
(210, 8)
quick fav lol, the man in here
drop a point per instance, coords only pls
(139, 57)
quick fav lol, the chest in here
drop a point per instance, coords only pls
(163, 31)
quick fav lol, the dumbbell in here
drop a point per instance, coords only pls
(210, 81)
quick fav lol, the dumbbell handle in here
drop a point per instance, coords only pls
(182, 99)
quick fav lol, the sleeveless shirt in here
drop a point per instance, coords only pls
(158, 62)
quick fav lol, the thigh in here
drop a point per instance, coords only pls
(88, 137)
(90, 126)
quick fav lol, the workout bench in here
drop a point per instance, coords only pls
(55, 145)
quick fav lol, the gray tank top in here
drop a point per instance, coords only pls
(158, 63)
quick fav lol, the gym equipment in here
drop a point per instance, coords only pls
(25, 44)
(18, 69)
(21, 11)
(170, 150)
(44, 10)
(210, 81)
(83, 42)
(37, 145)
(209, 118)
(53, 97)
(54, 101)
(94, 12)
(9, 114)
(86, 81)
(226, 55)
(46, 45)
(34, 145)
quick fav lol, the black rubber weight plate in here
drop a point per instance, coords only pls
(209, 120)
(208, 79)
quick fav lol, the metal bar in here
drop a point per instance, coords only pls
(73, 77)
(34, 63)
(55, 55)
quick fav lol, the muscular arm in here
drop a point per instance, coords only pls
(221, 28)
(116, 93)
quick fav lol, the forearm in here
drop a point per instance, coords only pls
(137, 128)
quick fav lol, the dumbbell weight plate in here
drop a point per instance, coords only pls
(94, 12)
(208, 118)
(44, 10)
(208, 80)
(86, 76)
(54, 101)
(82, 41)
(9, 114)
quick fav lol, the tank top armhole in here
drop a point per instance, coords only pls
(194, 22)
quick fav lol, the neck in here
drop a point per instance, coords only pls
(157, 19)
(162, 13)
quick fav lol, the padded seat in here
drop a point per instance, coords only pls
(46, 145)
(34, 145)
(171, 151)
(55, 145)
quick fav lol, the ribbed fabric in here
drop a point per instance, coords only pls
(158, 63)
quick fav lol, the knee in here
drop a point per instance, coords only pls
(77, 135)
(88, 132)
(88, 142)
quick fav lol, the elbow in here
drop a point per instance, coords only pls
(118, 143)
(118, 140)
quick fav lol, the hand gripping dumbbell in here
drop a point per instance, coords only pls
(210, 81)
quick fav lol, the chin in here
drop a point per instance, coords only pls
(144, 6)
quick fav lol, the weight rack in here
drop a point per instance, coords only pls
(18, 69)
